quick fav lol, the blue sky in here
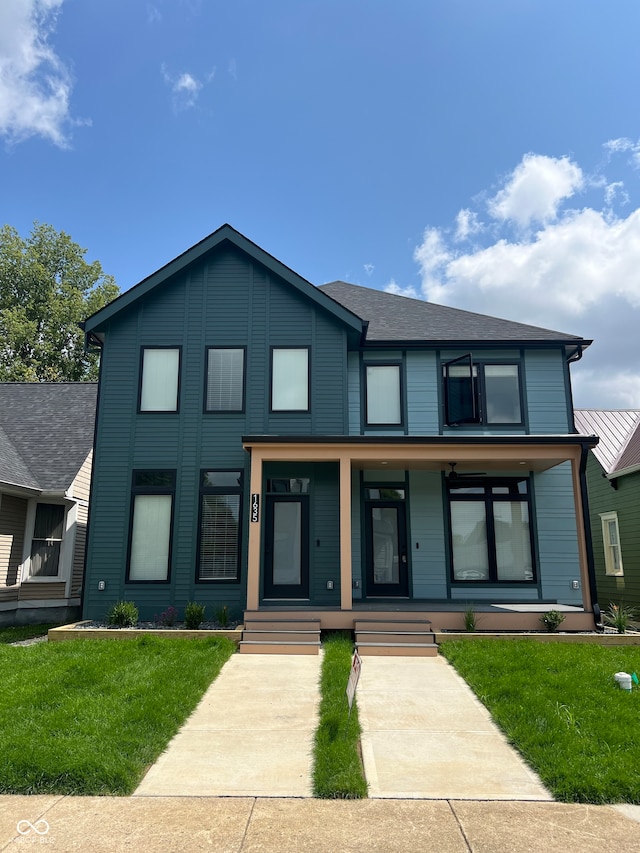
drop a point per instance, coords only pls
(484, 155)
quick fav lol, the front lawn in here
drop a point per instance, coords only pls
(89, 717)
(559, 705)
(16, 633)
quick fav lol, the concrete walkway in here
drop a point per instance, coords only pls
(425, 735)
(247, 825)
(251, 734)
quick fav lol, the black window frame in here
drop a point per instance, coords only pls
(141, 488)
(224, 491)
(488, 497)
(476, 391)
(143, 349)
(401, 391)
(62, 524)
(289, 411)
(206, 410)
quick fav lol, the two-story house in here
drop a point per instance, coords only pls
(328, 452)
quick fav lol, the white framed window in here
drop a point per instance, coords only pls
(48, 532)
(151, 525)
(611, 542)
(160, 379)
(290, 379)
(225, 380)
(384, 407)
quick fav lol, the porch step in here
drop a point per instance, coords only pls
(413, 638)
(274, 636)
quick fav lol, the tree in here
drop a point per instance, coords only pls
(46, 289)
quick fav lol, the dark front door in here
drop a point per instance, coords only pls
(386, 551)
(286, 570)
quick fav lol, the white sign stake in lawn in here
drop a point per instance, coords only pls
(354, 677)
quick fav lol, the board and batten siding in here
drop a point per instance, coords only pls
(224, 300)
(13, 514)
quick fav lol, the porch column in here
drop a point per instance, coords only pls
(582, 523)
(253, 556)
(345, 532)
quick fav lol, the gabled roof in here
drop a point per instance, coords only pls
(224, 235)
(619, 431)
(46, 432)
(399, 318)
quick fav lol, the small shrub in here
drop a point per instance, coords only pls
(167, 618)
(123, 614)
(619, 616)
(552, 619)
(470, 619)
(222, 616)
(193, 615)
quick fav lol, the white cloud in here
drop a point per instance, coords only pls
(369, 268)
(579, 273)
(467, 224)
(35, 85)
(624, 145)
(394, 287)
(184, 89)
(535, 189)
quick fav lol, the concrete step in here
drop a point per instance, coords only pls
(397, 650)
(252, 647)
(280, 636)
(392, 625)
(424, 637)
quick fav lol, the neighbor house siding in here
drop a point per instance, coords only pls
(13, 514)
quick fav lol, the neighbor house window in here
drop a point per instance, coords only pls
(383, 392)
(151, 525)
(476, 393)
(225, 380)
(490, 531)
(220, 522)
(290, 379)
(159, 385)
(48, 532)
(611, 539)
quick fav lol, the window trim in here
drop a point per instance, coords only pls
(605, 519)
(488, 499)
(401, 395)
(151, 490)
(221, 490)
(479, 417)
(271, 372)
(143, 349)
(239, 411)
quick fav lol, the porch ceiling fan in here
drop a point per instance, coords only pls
(454, 475)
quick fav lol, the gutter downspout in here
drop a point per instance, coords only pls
(586, 515)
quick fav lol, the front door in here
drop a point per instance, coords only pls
(286, 570)
(386, 549)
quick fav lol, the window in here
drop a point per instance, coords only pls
(611, 541)
(476, 393)
(220, 522)
(151, 525)
(225, 380)
(159, 385)
(490, 531)
(47, 538)
(383, 394)
(290, 380)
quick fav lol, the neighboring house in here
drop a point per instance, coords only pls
(265, 444)
(613, 478)
(46, 440)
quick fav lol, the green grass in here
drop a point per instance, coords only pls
(338, 770)
(89, 717)
(14, 634)
(559, 705)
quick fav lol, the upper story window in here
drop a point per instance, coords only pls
(160, 380)
(151, 525)
(611, 541)
(478, 393)
(47, 538)
(290, 379)
(383, 395)
(225, 380)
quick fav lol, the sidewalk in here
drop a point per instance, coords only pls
(248, 825)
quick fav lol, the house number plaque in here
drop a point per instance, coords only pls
(255, 507)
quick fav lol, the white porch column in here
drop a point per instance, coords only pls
(345, 532)
(253, 556)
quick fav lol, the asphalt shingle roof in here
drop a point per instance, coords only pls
(619, 431)
(401, 318)
(46, 432)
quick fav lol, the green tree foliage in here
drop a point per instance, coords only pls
(46, 289)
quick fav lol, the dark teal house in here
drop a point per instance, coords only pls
(327, 452)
